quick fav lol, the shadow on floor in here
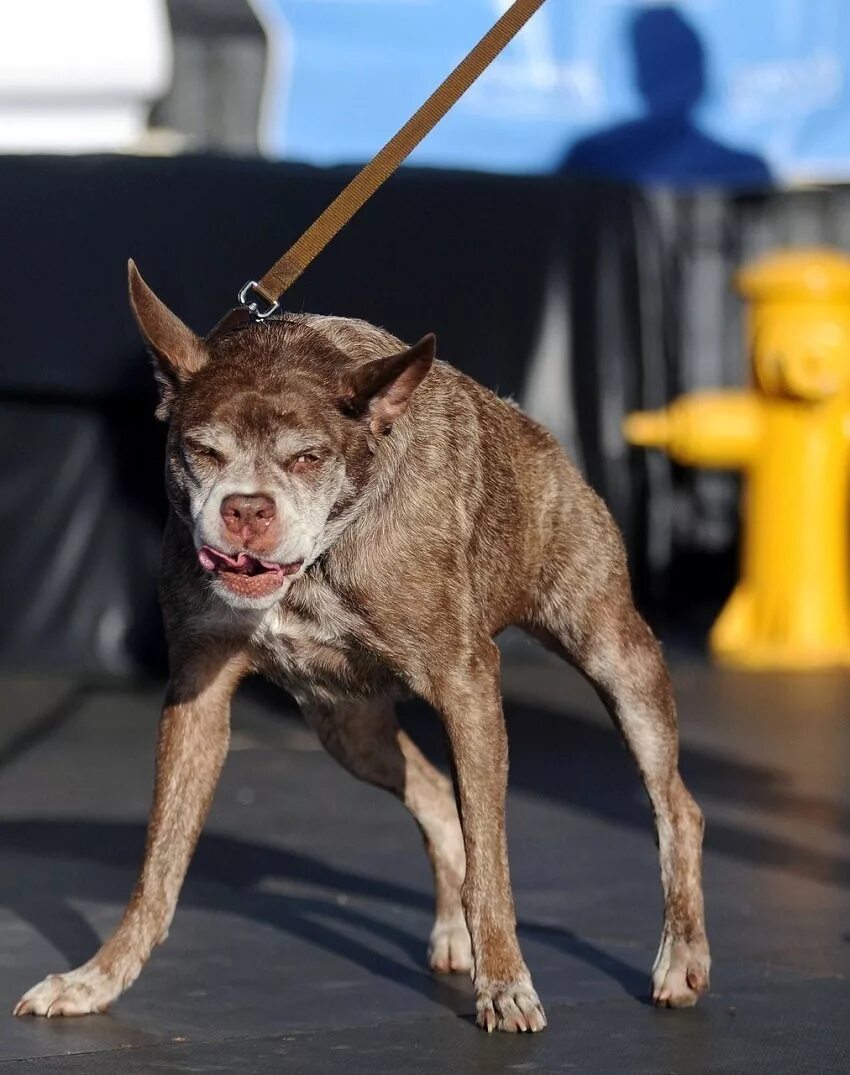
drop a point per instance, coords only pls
(581, 764)
(51, 870)
(562, 757)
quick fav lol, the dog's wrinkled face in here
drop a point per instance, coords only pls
(258, 463)
(272, 438)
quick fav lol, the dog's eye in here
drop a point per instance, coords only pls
(204, 451)
(305, 461)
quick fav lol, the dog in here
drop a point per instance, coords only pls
(353, 518)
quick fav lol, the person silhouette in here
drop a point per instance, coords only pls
(665, 144)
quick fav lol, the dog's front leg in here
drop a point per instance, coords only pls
(192, 744)
(469, 698)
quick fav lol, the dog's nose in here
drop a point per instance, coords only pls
(251, 519)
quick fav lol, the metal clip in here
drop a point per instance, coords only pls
(260, 315)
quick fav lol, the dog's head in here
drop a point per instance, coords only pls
(273, 433)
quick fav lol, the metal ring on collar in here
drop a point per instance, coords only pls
(254, 307)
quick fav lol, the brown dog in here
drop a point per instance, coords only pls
(350, 517)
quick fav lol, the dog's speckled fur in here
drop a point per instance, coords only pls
(429, 515)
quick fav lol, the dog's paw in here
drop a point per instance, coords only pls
(78, 992)
(681, 974)
(510, 1006)
(450, 949)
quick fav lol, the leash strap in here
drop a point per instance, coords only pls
(289, 267)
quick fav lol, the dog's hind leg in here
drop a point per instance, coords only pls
(363, 735)
(592, 621)
(194, 734)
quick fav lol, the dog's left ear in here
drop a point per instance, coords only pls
(383, 387)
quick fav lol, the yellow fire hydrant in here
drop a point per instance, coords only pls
(790, 433)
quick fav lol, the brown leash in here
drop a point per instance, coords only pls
(289, 267)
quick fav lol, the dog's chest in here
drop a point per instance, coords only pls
(317, 644)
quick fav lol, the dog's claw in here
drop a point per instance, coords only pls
(513, 1007)
(84, 991)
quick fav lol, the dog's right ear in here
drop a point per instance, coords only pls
(176, 350)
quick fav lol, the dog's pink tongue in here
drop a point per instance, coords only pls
(285, 569)
(211, 558)
(215, 560)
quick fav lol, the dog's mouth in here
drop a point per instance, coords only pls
(246, 575)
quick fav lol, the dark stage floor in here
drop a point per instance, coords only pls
(300, 939)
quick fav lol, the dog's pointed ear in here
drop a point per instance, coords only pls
(176, 350)
(383, 387)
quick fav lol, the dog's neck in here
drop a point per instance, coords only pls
(392, 456)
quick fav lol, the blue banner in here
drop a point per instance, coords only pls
(700, 92)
